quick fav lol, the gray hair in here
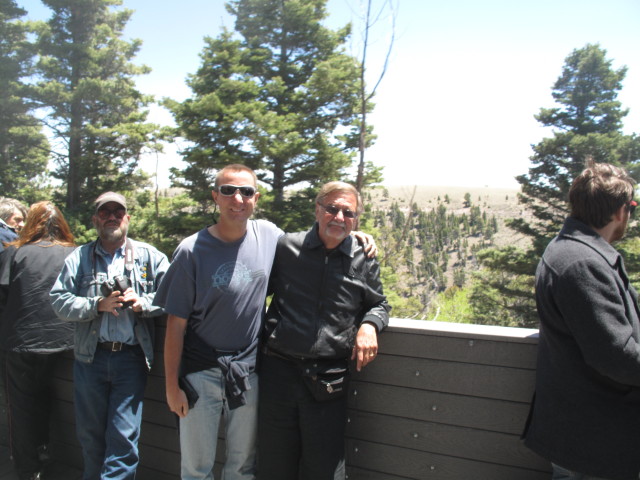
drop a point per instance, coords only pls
(8, 207)
(341, 187)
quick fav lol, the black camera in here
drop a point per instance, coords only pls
(118, 283)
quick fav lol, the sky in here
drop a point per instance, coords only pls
(464, 81)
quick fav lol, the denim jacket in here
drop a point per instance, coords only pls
(75, 296)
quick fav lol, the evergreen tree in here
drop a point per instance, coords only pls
(86, 86)
(586, 126)
(23, 146)
(280, 96)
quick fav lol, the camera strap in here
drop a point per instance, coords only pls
(128, 257)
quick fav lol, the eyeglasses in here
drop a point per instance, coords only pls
(631, 206)
(105, 213)
(246, 191)
(333, 210)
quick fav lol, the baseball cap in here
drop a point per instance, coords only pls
(110, 197)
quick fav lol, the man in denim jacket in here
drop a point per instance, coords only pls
(107, 288)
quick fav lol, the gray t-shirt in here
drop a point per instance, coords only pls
(220, 288)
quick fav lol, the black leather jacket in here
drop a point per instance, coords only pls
(321, 298)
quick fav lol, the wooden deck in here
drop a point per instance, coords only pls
(442, 401)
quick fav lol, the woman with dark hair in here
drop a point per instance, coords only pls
(30, 332)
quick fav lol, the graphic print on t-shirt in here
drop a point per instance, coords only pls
(232, 277)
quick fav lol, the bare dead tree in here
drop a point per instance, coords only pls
(388, 6)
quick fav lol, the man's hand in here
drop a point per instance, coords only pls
(368, 243)
(131, 296)
(111, 303)
(177, 401)
(366, 347)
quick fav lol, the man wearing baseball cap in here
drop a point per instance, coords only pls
(107, 288)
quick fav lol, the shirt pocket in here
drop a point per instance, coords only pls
(90, 285)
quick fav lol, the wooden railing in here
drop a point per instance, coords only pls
(441, 401)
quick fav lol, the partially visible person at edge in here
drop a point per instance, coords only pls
(106, 289)
(31, 333)
(214, 295)
(12, 214)
(328, 307)
(585, 416)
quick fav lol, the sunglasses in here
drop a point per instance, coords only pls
(631, 206)
(333, 210)
(105, 213)
(246, 191)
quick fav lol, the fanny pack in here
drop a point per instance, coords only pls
(326, 380)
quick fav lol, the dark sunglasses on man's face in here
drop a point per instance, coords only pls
(105, 213)
(229, 190)
(631, 206)
(333, 210)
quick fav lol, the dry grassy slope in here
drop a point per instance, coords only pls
(501, 202)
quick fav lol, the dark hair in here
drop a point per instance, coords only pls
(599, 192)
(44, 222)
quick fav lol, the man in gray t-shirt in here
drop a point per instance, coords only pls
(220, 288)
(214, 295)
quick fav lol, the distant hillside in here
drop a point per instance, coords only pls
(429, 237)
(501, 202)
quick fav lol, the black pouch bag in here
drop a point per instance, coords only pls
(190, 392)
(328, 380)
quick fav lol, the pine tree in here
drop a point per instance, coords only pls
(86, 86)
(280, 96)
(586, 126)
(23, 146)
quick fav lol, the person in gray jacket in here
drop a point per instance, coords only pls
(585, 417)
(106, 288)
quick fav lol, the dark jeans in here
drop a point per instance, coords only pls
(29, 377)
(298, 437)
(108, 404)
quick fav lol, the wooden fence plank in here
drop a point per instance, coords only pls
(417, 465)
(467, 349)
(473, 412)
(503, 383)
(469, 443)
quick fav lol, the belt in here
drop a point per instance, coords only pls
(116, 346)
(292, 358)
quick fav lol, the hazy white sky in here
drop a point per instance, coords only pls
(464, 82)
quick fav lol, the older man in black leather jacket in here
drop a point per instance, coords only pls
(328, 307)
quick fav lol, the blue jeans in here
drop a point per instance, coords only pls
(108, 403)
(561, 473)
(199, 430)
